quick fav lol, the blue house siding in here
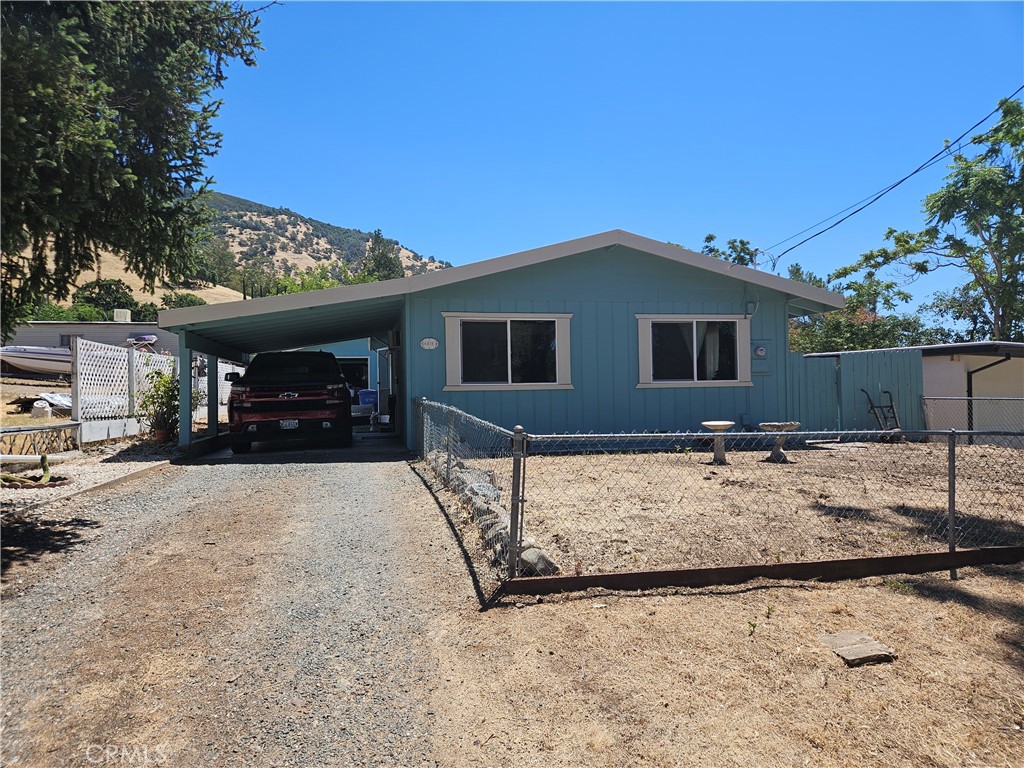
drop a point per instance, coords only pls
(603, 291)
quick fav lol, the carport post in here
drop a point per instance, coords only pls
(212, 395)
(184, 393)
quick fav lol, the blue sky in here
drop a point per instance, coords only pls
(472, 130)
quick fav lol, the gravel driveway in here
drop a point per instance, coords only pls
(259, 610)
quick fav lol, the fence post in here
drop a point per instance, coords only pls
(516, 511)
(419, 411)
(951, 513)
(448, 447)
(132, 401)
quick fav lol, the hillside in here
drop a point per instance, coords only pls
(262, 236)
(112, 267)
(258, 233)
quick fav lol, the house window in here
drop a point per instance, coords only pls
(689, 350)
(65, 339)
(519, 351)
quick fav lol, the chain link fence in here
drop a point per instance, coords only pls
(975, 413)
(473, 459)
(606, 504)
(641, 502)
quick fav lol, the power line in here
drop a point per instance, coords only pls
(879, 195)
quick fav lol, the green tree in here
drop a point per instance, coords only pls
(147, 312)
(107, 295)
(106, 122)
(259, 278)
(216, 263)
(178, 299)
(313, 279)
(382, 261)
(976, 225)
(737, 251)
(859, 325)
(76, 313)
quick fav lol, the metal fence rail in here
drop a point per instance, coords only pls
(628, 503)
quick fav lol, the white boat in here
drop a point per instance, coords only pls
(56, 360)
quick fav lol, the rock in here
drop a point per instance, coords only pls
(856, 648)
(482, 509)
(533, 562)
(482, 491)
(497, 538)
(467, 477)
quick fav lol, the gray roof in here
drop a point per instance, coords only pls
(368, 310)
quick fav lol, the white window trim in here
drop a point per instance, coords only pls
(646, 377)
(453, 351)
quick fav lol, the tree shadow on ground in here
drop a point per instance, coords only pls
(932, 523)
(845, 512)
(1012, 611)
(26, 537)
(972, 531)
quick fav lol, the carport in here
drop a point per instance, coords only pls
(236, 330)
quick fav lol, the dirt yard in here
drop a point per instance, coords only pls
(14, 388)
(193, 613)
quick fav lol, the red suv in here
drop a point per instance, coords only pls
(289, 395)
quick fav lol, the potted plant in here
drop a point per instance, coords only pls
(159, 405)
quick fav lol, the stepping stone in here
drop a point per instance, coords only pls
(856, 648)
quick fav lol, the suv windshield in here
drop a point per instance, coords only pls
(292, 366)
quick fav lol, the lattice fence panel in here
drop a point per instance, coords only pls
(107, 387)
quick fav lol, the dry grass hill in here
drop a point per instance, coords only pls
(292, 242)
(264, 237)
(112, 268)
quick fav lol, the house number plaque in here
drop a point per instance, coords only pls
(429, 343)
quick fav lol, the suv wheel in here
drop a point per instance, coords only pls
(240, 446)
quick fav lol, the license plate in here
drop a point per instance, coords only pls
(289, 423)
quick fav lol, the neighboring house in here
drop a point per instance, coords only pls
(608, 333)
(366, 364)
(974, 386)
(57, 333)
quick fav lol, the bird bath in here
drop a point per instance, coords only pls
(719, 427)
(778, 455)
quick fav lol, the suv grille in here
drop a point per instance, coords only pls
(284, 404)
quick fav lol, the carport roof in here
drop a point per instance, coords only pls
(976, 348)
(233, 329)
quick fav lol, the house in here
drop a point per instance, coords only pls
(366, 364)
(608, 333)
(59, 333)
